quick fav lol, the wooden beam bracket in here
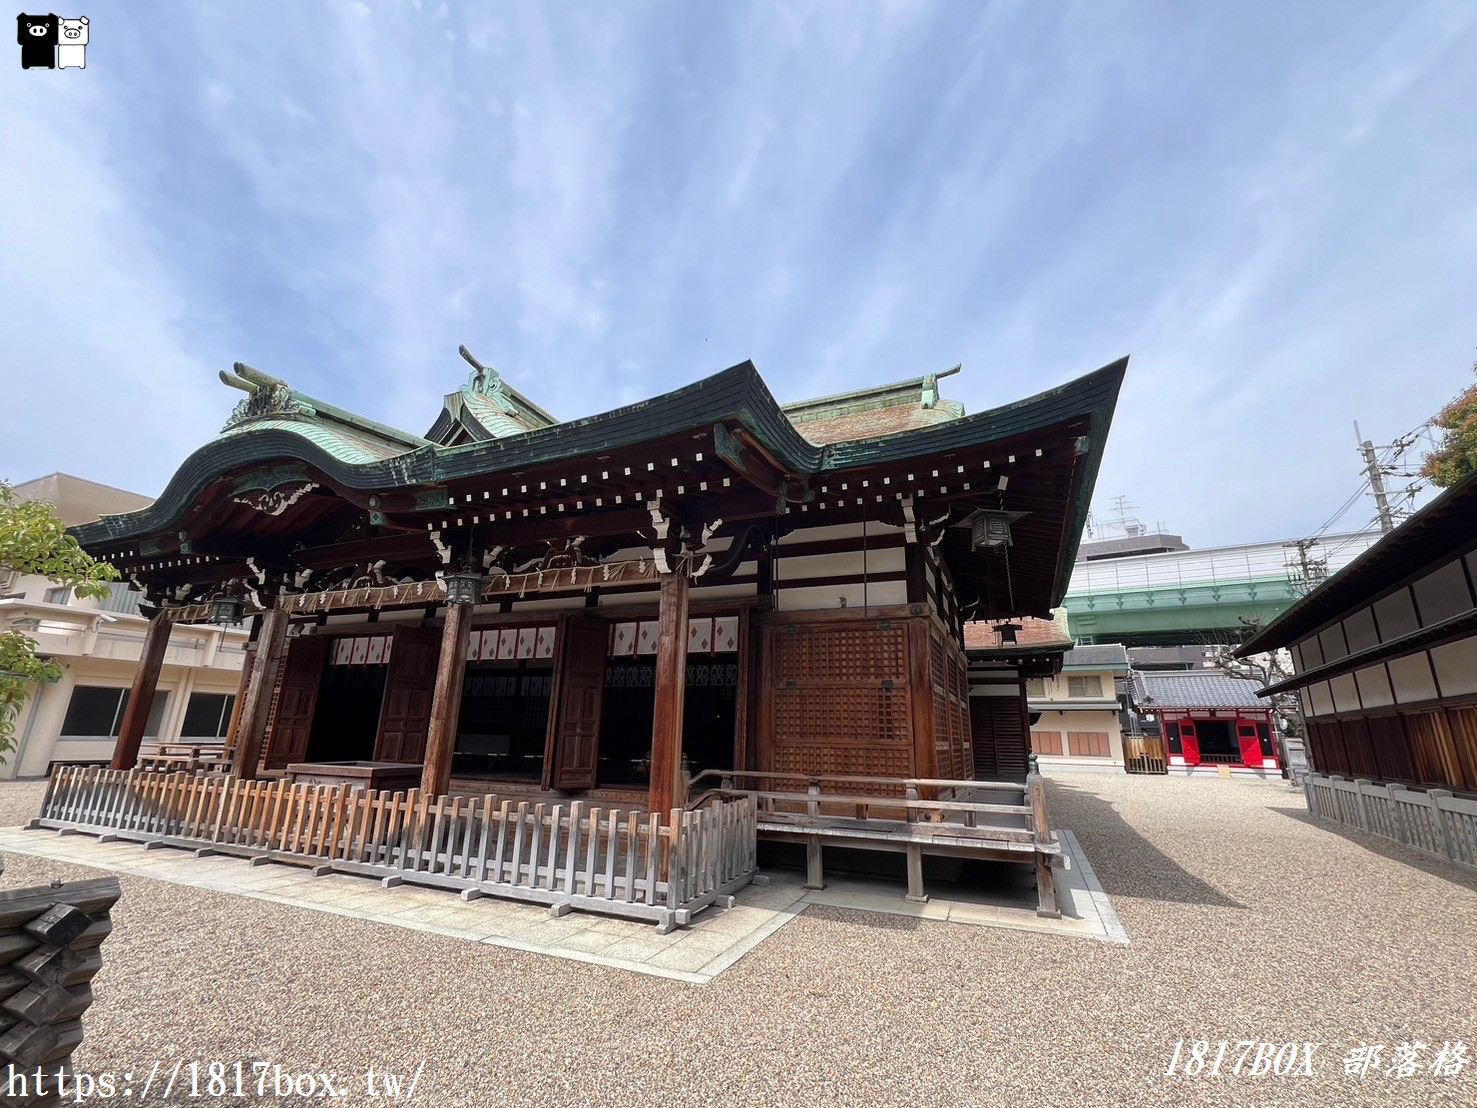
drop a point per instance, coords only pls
(738, 449)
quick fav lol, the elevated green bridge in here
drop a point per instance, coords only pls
(1197, 596)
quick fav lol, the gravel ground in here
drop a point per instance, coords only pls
(1247, 922)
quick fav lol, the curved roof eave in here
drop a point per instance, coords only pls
(736, 393)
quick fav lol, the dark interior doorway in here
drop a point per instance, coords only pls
(346, 721)
(708, 717)
(1217, 741)
(708, 713)
(504, 721)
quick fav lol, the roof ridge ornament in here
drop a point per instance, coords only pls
(266, 396)
(485, 381)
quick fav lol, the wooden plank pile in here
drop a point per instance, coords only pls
(50, 941)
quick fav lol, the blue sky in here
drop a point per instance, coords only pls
(1270, 207)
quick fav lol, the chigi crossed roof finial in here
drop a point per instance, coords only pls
(486, 381)
(266, 395)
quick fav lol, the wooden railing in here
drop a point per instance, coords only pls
(914, 815)
(613, 861)
(1211, 759)
(183, 756)
(1433, 822)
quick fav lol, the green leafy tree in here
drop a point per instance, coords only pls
(33, 540)
(1456, 457)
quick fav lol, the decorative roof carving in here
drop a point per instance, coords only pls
(485, 381)
(486, 407)
(266, 396)
(276, 501)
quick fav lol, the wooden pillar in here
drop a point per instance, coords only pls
(920, 701)
(141, 695)
(243, 686)
(1046, 905)
(446, 701)
(667, 788)
(251, 725)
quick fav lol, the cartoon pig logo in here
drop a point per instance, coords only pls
(71, 51)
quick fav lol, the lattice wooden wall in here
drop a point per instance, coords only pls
(959, 705)
(272, 707)
(950, 691)
(839, 700)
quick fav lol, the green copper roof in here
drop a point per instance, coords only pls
(283, 425)
(272, 404)
(486, 407)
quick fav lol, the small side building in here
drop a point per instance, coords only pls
(1076, 714)
(1005, 656)
(1385, 654)
(1209, 721)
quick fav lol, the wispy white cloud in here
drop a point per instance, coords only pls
(606, 201)
(101, 337)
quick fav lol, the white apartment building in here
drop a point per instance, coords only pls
(97, 645)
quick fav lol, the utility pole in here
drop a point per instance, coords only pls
(1376, 482)
(1306, 573)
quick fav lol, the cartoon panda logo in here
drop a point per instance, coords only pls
(37, 35)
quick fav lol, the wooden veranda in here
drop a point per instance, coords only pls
(916, 817)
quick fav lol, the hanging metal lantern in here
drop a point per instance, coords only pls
(990, 527)
(463, 588)
(1007, 632)
(227, 611)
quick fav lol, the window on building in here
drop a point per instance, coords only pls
(121, 597)
(1036, 687)
(208, 716)
(1086, 684)
(1088, 744)
(58, 595)
(95, 713)
(1046, 742)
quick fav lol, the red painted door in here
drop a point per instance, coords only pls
(1189, 743)
(297, 700)
(405, 712)
(581, 690)
(1251, 746)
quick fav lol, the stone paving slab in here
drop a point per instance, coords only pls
(698, 954)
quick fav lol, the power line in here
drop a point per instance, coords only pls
(1340, 512)
(1355, 536)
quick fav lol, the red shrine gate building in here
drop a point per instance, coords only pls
(702, 581)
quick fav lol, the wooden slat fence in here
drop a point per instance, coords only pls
(1144, 754)
(1433, 822)
(571, 856)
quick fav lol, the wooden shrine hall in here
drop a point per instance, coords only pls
(704, 582)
